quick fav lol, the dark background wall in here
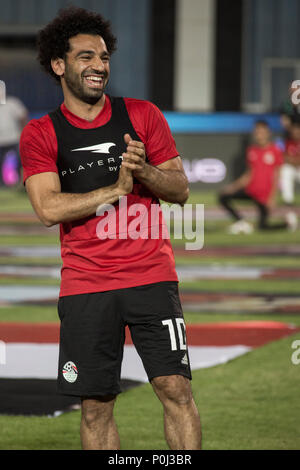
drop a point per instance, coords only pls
(229, 149)
(246, 33)
(20, 20)
(162, 53)
(228, 55)
(270, 30)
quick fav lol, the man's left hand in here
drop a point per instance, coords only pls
(135, 156)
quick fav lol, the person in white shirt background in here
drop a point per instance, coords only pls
(13, 118)
(290, 170)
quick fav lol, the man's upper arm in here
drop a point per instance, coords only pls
(38, 150)
(39, 188)
(174, 163)
(160, 145)
(153, 130)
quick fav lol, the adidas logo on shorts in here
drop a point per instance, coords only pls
(185, 360)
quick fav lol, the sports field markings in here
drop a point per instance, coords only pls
(211, 213)
(185, 273)
(32, 348)
(192, 301)
(236, 250)
(30, 271)
(19, 294)
(38, 251)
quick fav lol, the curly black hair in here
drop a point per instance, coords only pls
(53, 40)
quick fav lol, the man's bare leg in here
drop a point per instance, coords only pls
(98, 430)
(181, 417)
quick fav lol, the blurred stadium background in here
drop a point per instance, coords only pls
(213, 67)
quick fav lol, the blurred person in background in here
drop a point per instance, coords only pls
(290, 170)
(289, 110)
(258, 184)
(13, 118)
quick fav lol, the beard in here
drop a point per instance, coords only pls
(76, 85)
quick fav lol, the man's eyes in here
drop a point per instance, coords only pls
(88, 57)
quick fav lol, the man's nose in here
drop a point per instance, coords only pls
(98, 64)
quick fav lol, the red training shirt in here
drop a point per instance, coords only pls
(292, 149)
(91, 264)
(263, 161)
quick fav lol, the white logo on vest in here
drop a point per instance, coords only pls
(98, 148)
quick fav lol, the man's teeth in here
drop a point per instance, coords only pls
(94, 79)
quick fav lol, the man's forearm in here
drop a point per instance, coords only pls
(66, 207)
(169, 185)
(241, 182)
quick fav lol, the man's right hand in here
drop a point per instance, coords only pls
(125, 180)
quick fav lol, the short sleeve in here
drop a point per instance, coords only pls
(38, 150)
(160, 145)
(153, 129)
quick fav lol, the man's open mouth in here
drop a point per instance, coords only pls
(94, 81)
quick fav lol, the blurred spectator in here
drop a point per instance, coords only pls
(289, 112)
(13, 117)
(258, 183)
(290, 170)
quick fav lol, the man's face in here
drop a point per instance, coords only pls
(261, 134)
(87, 67)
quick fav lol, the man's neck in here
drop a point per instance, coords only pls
(84, 110)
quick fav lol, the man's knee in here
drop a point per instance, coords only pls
(174, 389)
(98, 409)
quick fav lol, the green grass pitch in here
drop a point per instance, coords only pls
(251, 402)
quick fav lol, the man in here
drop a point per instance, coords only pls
(290, 110)
(290, 170)
(258, 183)
(71, 162)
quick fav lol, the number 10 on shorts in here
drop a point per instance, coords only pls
(181, 333)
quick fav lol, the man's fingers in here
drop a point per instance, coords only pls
(137, 150)
(126, 169)
(134, 162)
(134, 158)
(131, 166)
(127, 138)
(131, 157)
(135, 143)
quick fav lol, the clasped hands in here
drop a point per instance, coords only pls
(135, 157)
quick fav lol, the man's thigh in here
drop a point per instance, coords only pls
(154, 315)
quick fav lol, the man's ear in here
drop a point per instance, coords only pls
(58, 66)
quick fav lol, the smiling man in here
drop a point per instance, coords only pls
(90, 152)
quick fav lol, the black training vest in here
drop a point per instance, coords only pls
(89, 159)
